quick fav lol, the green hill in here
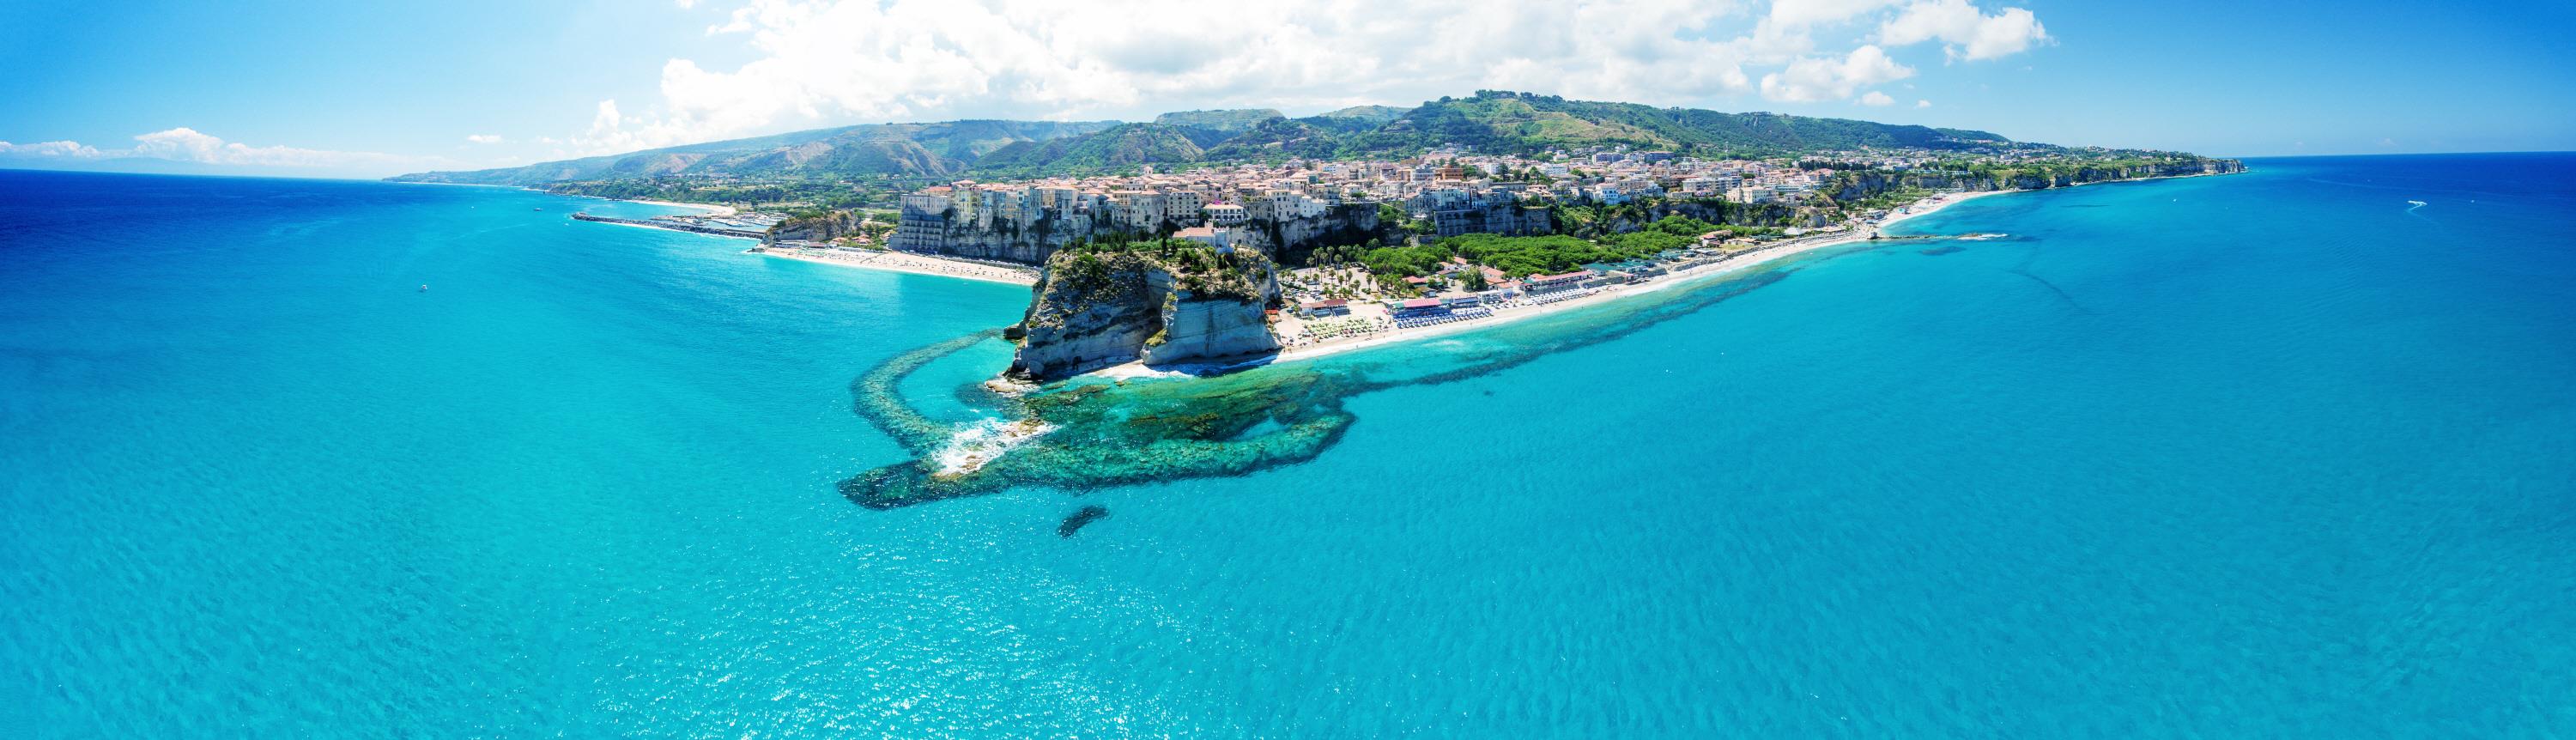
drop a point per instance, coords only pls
(1219, 120)
(1497, 121)
(920, 149)
(1489, 121)
(1118, 147)
(1373, 114)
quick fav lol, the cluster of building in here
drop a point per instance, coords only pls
(1453, 191)
(1319, 316)
(1214, 201)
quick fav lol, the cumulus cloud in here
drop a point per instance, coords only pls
(49, 150)
(483, 138)
(1876, 98)
(189, 145)
(891, 60)
(1794, 13)
(1922, 104)
(1809, 80)
(1068, 59)
(1964, 31)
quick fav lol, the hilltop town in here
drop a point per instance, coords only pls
(1356, 225)
(1372, 246)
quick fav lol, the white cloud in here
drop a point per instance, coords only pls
(49, 150)
(483, 138)
(1922, 104)
(1809, 80)
(1963, 31)
(1069, 59)
(189, 145)
(1794, 13)
(833, 61)
(1876, 98)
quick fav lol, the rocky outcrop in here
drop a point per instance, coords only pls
(821, 228)
(1011, 242)
(1162, 304)
(1289, 241)
(1195, 328)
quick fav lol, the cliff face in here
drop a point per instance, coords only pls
(818, 228)
(1290, 240)
(1093, 310)
(1196, 329)
(1011, 242)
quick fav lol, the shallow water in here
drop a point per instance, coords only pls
(2258, 455)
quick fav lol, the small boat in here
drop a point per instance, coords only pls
(536, 209)
(424, 288)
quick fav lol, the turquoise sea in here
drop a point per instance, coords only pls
(2277, 454)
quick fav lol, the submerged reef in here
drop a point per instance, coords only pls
(1087, 433)
(1080, 519)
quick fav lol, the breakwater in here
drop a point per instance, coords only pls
(672, 225)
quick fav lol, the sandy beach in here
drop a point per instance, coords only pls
(917, 264)
(1728, 265)
(712, 210)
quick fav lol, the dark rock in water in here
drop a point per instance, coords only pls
(1075, 523)
(1944, 249)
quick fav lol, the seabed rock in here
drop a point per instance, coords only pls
(1079, 519)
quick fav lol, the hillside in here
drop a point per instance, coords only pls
(1494, 121)
(1219, 120)
(1489, 121)
(920, 149)
(1124, 145)
(1373, 114)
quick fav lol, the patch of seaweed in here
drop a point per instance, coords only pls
(1081, 519)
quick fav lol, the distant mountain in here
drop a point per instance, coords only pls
(922, 149)
(1490, 121)
(1496, 121)
(1219, 120)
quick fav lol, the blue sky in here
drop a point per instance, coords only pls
(368, 89)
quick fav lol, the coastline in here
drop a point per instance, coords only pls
(711, 209)
(905, 262)
(1728, 265)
